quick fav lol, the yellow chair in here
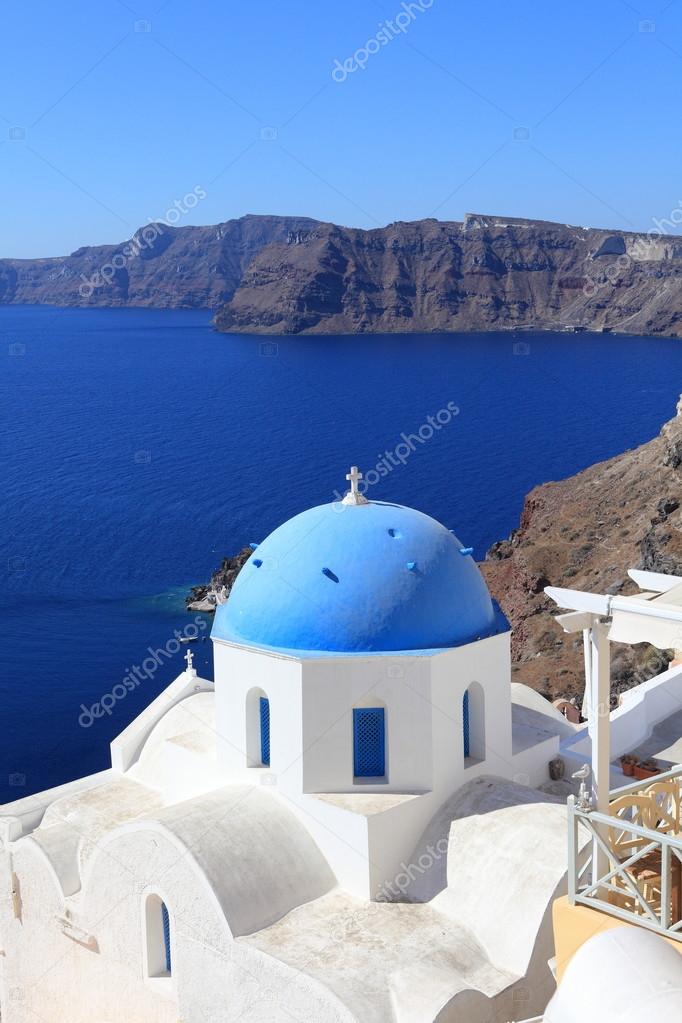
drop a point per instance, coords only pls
(645, 873)
(666, 796)
(658, 810)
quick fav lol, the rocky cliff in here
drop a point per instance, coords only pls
(586, 532)
(206, 598)
(289, 275)
(487, 273)
(160, 266)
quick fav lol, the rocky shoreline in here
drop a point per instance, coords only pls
(206, 598)
(584, 532)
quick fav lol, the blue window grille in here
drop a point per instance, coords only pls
(165, 920)
(265, 731)
(369, 742)
(465, 724)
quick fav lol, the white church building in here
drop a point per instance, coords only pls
(344, 825)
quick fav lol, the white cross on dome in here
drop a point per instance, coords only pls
(354, 496)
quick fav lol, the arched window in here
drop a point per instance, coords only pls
(473, 723)
(369, 742)
(165, 921)
(158, 938)
(257, 728)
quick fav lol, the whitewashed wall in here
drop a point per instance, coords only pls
(238, 671)
(311, 741)
(49, 977)
(332, 687)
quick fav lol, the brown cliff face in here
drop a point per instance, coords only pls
(163, 267)
(585, 533)
(291, 275)
(487, 273)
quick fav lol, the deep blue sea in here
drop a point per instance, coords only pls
(139, 447)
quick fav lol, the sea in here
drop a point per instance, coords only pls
(139, 447)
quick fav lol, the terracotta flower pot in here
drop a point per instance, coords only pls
(645, 772)
(627, 767)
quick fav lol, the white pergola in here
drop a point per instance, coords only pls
(652, 616)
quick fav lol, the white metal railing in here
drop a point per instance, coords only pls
(599, 879)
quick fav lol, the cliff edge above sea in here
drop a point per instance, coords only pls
(295, 275)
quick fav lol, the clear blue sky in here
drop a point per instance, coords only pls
(115, 124)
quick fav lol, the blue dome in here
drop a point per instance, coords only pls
(372, 577)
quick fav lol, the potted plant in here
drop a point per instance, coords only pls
(646, 769)
(628, 764)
